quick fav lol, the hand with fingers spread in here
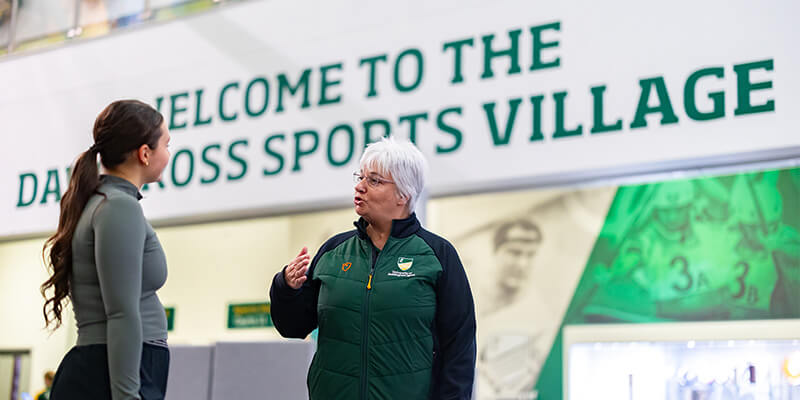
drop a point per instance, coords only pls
(295, 272)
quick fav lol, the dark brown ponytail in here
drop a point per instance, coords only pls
(122, 127)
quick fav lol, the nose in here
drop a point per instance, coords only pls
(361, 186)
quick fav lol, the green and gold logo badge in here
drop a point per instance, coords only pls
(404, 263)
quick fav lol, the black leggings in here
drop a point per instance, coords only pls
(83, 374)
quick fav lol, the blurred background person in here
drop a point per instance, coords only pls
(48, 383)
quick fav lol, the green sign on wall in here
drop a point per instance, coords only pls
(170, 311)
(249, 315)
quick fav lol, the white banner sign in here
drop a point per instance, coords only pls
(271, 103)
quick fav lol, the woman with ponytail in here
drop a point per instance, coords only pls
(106, 259)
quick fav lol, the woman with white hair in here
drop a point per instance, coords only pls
(394, 309)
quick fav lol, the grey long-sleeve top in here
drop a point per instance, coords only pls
(117, 266)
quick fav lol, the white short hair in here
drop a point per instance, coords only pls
(401, 159)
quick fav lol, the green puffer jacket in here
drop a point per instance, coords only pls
(398, 323)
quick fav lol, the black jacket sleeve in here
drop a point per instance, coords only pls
(454, 362)
(294, 312)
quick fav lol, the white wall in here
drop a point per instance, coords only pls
(213, 265)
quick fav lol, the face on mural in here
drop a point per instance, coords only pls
(672, 204)
(674, 218)
(516, 246)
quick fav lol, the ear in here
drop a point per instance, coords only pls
(143, 154)
(402, 200)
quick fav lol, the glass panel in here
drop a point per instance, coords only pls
(116, 13)
(38, 18)
(156, 4)
(44, 23)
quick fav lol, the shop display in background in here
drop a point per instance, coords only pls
(683, 370)
(791, 368)
(708, 249)
(745, 381)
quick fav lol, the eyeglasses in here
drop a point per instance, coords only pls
(372, 180)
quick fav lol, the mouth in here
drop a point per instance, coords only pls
(357, 200)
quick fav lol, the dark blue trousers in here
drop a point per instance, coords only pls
(83, 374)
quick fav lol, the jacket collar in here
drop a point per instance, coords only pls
(121, 185)
(401, 228)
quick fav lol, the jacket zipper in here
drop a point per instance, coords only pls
(365, 325)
